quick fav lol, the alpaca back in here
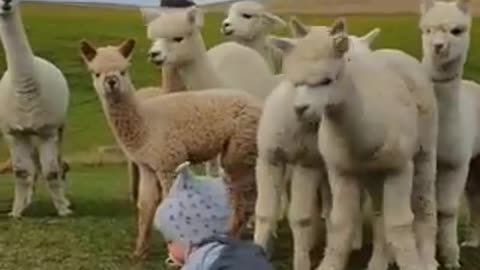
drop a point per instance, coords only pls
(240, 67)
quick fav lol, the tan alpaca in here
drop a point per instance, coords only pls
(372, 134)
(162, 132)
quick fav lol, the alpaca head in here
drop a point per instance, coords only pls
(7, 6)
(314, 64)
(248, 20)
(109, 67)
(445, 30)
(175, 35)
(357, 44)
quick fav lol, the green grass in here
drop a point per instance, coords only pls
(101, 234)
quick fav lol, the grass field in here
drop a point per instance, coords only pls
(101, 234)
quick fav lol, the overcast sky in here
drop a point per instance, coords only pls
(141, 3)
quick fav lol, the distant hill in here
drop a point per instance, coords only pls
(352, 6)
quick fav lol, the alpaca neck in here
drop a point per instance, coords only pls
(258, 43)
(171, 80)
(447, 79)
(19, 55)
(350, 120)
(125, 119)
(199, 73)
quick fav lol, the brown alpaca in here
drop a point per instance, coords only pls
(162, 132)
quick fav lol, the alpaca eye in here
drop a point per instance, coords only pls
(97, 75)
(178, 39)
(123, 72)
(247, 16)
(429, 31)
(457, 31)
(324, 82)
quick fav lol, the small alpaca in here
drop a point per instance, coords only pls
(369, 137)
(446, 41)
(288, 156)
(249, 24)
(156, 134)
(227, 65)
(34, 99)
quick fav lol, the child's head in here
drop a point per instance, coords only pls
(194, 210)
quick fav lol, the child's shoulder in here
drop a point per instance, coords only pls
(234, 255)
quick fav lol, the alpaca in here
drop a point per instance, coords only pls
(248, 23)
(34, 99)
(223, 66)
(446, 40)
(372, 134)
(156, 134)
(227, 65)
(287, 152)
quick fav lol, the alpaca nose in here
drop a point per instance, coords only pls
(226, 30)
(156, 57)
(112, 81)
(300, 110)
(439, 47)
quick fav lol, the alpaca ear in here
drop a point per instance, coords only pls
(341, 44)
(298, 28)
(195, 16)
(150, 14)
(126, 48)
(273, 19)
(370, 36)
(463, 5)
(285, 45)
(338, 27)
(87, 50)
(426, 5)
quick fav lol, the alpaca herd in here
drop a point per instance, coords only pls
(318, 123)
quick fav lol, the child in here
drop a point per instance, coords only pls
(193, 219)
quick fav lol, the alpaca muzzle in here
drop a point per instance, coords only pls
(112, 87)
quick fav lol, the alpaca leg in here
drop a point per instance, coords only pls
(424, 207)
(304, 186)
(358, 234)
(284, 199)
(242, 196)
(25, 171)
(52, 169)
(381, 255)
(450, 187)
(148, 200)
(133, 176)
(399, 218)
(341, 221)
(472, 193)
(270, 177)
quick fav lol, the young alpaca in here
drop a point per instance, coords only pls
(229, 64)
(249, 24)
(288, 155)
(446, 40)
(34, 98)
(156, 134)
(369, 136)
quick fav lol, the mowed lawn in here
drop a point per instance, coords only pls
(101, 234)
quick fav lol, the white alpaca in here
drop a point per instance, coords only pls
(177, 41)
(34, 98)
(288, 153)
(249, 24)
(228, 65)
(446, 40)
(369, 136)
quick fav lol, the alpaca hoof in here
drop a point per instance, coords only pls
(140, 255)
(453, 266)
(65, 212)
(474, 243)
(14, 215)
